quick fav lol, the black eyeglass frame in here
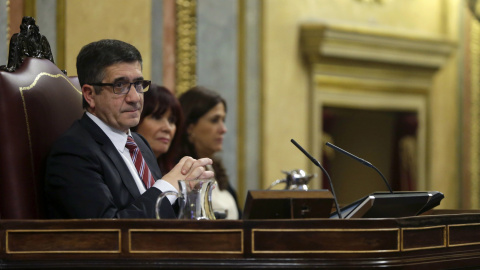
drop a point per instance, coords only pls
(144, 83)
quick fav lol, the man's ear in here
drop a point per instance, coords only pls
(88, 94)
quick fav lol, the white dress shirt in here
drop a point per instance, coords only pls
(119, 140)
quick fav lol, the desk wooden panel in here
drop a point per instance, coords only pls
(430, 242)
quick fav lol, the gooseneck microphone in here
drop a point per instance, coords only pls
(324, 171)
(361, 160)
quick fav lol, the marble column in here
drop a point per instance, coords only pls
(46, 19)
(217, 66)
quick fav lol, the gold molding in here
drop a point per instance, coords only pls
(376, 32)
(186, 45)
(49, 75)
(370, 84)
(397, 230)
(377, 78)
(21, 89)
(464, 244)
(318, 41)
(8, 251)
(186, 231)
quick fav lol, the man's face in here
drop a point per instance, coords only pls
(118, 111)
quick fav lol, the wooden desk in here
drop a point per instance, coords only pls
(430, 242)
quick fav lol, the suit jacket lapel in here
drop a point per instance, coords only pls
(109, 149)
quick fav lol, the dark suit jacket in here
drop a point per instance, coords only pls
(86, 177)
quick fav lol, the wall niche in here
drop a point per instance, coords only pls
(369, 94)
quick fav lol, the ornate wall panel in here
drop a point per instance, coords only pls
(368, 69)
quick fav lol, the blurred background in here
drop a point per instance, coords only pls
(395, 82)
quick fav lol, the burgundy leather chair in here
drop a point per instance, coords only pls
(38, 102)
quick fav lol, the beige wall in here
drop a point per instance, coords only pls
(285, 75)
(285, 79)
(284, 90)
(444, 133)
(129, 21)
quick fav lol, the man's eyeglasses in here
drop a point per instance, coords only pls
(123, 87)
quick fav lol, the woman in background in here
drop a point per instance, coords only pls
(205, 113)
(160, 121)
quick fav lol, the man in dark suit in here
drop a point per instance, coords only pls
(91, 172)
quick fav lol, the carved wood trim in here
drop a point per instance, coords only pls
(321, 40)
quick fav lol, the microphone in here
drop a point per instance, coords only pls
(324, 171)
(364, 162)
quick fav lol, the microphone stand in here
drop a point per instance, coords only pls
(324, 171)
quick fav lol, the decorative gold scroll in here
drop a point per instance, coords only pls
(186, 46)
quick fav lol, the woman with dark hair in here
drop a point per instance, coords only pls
(205, 112)
(160, 120)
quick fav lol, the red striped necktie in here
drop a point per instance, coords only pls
(140, 164)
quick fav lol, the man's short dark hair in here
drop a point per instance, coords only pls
(94, 58)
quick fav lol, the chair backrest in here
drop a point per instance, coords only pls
(37, 104)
